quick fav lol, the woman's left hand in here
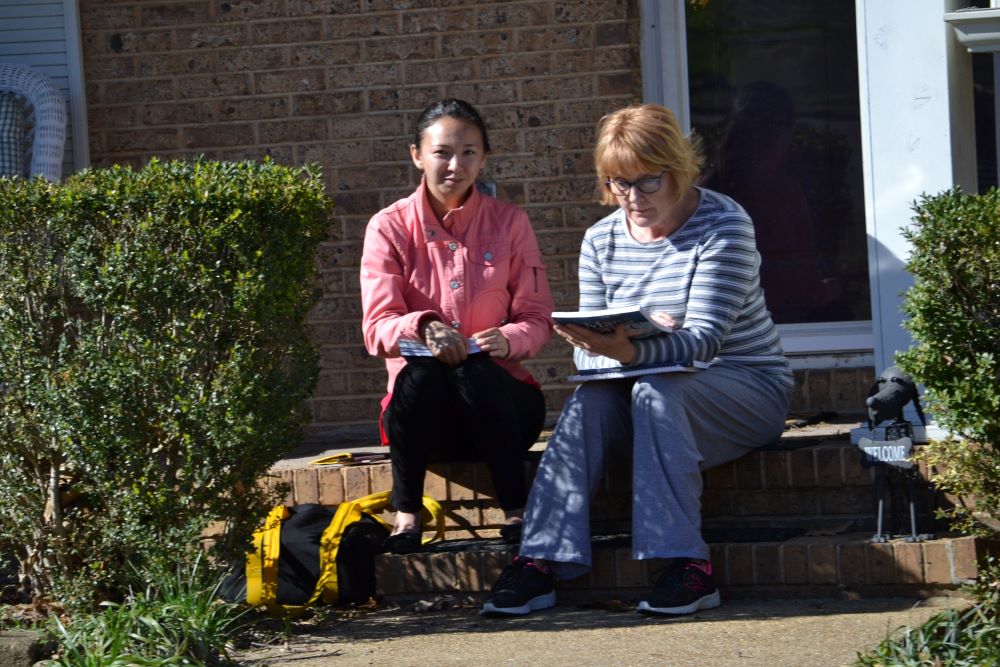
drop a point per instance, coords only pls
(616, 345)
(493, 341)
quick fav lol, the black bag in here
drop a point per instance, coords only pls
(308, 553)
(299, 565)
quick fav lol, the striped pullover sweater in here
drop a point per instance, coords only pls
(705, 275)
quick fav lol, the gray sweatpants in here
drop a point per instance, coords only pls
(677, 425)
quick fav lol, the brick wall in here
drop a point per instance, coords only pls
(340, 83)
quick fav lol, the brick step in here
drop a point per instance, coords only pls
(800, 567)
(809, 480)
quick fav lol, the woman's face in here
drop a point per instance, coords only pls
(648, 211)
(450, 155)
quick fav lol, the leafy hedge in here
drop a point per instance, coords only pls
(954, 316)
(153, 359)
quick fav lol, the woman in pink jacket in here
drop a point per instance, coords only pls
(461, 273)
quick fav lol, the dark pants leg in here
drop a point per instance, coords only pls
(475, 410)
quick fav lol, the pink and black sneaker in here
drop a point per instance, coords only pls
(683, 587)
(523, 587)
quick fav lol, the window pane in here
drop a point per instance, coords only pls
(774, 97)
(983, 65)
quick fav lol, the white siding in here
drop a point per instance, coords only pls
(916, 135)
(45, 35)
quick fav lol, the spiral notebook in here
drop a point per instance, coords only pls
(617, 371)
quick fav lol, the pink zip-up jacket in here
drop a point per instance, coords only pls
(480, 269)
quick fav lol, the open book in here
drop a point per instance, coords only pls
(639, 321)
(415, 348)
(597, 367)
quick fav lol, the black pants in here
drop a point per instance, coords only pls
(473, 411)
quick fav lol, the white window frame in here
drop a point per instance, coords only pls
(665, 81)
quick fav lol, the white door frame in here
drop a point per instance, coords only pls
(918, 136)
(77, 94)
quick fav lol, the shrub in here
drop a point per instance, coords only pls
(154, 361)
(954, 316)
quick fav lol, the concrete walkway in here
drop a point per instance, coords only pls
(742, 633)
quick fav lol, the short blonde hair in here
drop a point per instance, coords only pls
(644, 139)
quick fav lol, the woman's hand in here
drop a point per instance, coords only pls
(664, 320)
(493, 341)
(445, 343)
(617, 345)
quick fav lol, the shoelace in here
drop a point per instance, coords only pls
(693, 582)
(681, 573)
(511, 574)
(671, 573)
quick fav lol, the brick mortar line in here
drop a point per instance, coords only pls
(291, 47)
(280, 119)
(253, 97)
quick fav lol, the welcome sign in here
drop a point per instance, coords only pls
(890, 452)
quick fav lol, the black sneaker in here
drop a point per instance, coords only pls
(682, 588)
(521, 589)
(403, 543)
(511, 533)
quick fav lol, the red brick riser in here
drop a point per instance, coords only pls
(842, 566)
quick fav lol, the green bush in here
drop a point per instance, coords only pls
(153, 359)
(954, 316)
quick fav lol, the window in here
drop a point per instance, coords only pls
(773, 92)
(45, 34)
(984, 87)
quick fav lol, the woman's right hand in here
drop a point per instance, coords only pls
(616, 345)
(445, 343)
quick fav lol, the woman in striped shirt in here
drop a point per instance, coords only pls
(688, 254)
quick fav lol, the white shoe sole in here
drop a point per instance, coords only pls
(708, 602)
(534, 604)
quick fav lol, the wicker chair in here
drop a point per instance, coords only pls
(32, 123)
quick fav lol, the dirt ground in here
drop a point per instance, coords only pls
(741, 633)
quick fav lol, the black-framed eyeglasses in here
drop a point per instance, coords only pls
(646, 186)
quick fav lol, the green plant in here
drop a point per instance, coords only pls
(954, 316)
(951, 638)
(154, 362)
(985, 588)
(177, 620)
